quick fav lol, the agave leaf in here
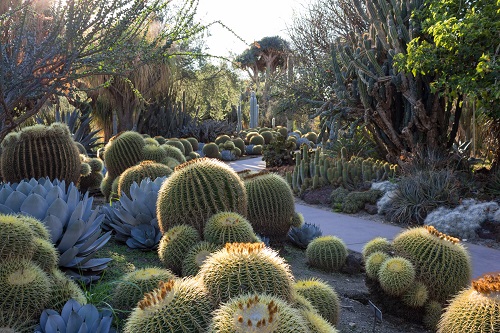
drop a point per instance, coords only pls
(71, 306)
(34, 205)
(53, 193)
(84, 242)
(95, 246)
(77, 212)
(54, 224)
(150, 200)
(45, 316)
(126, 217)
(83, 328)
(89, 314)
(39, 189)
(93, 264)
(24, 187)
(4, 193)
(134, 244)
(72, 234)
(144, 218)
(121, 229)
(68, 256)
(55, 323)
(104, 325)
(6, 210)
(93, 223)
(60, 209)
(126, 203)
(15, 200)
(75, 322)
(73, 198)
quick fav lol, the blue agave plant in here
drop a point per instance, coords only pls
(76, 318)
(302, 236)
(134, 219)
(75, 228)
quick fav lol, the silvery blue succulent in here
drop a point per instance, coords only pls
(302, 141)
(76, 318)
(75, 228)
(249, 149)
(228, 155)
(303, 235)
(134, 219)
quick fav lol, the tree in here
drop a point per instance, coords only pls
(268, 57)
(46, 47)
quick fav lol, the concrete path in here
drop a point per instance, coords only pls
(355, 232)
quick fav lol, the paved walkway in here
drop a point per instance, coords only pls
(355, 232)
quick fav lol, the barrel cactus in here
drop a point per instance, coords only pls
(416, 295)
(375, 245)
(177, 144)
(327, 253)
(131, 288)
(175, 244)
(17, 239)
(396, 275)
(257, 140)
(188, 148)
(45, 255)
(154, 153)
(253, 313)
(196, 257)
(211, 150)
(94, 179)
(322, 297)
(246, 267)
(374, 262)
(193, 142)
(136, 173)
(475, 309)
(271, 205)
(197, 190)
(316, 323)
(176, 306)
(123, 151)
(442, 263)
(228, 227)
(40, 151)
(62, 289)
(174, 152)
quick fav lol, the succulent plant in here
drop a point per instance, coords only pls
(76, 318)
(176, 306)
(40, 230)
(136, 173)
(131, 288)
(442, 263)
(271, 205)
(177, 144)
(123, 151)
(74, 227)
(228, 155)
(211, 150)
(196, 257)
(257, 140)
(154, 153)
(40, 151)
(94, 179)
(194, 143)
(303, 235)
(257, 150)
(432, 314)
(373, 263)
(228, 227)
(311, 136)
(316, 323)
(297, 220)
(197, 190)
(188, 148)
(175, 244)
(416, 295)
(151, 142)
(246, 267)
(240, 144)
(254, 312)
(62, 289)
(249, 149)
(17, 239)
(375, 245)
(323, 298)
(327, 253)
(173, 152)
(45, 255)
(134, 219)
(475, 309)
(396, 275)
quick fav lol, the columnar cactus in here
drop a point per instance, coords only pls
(197, 190)
(40, 151)
(271, 205)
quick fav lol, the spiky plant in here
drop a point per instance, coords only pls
(123, 151)
(396, 275)
(17, 239)
(442, 263)
(327, 253)
(228, 227)
(175, 244)
(176, 306)
(375, 245)
(316, 323)
(416, 295)
(197, 190)
(303, 235)
(271, 205)
(196, 257)
(45, 255)
(246, 267)
(323, 297)
(257, 313)
(177, 144)
(62, 289)
(374, 262)
(211, 150)
(174, 152)
(432, 313)
(475, 309)
(136, 173)
(131, 288)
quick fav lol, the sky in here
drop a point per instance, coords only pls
(252, 20)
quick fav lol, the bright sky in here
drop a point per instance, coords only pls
(251, 19)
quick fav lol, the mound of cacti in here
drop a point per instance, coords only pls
(40, 151)
(132, 287)
(228, 227)
(173, 152)
(323, 298)
(193, 142)
(271, 205)
(373, 263)
(154, 153)
(396, 275)
(188, 148)
(177, 144)
(123, 151)
(175, 244)
(196, 257)
(93, 180)
(136, 173)
(375, 245)
(327, 253)
(175, 306)
(254, 312)
(197, 190)
(442, 263)
(246, 267)
(474, 310)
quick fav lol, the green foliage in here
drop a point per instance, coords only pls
(257, 140)
(323, 297)
(196, 257)
(278, 152)
(211, 150)
(327, 253)
(396, 275)
(123, 151)
(40, 151)
(228, 227)
(355, 201)
(175, 244)
(197, 190)
(246, 267)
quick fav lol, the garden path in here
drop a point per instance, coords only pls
(355, 232)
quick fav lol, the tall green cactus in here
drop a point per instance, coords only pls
(40, 151)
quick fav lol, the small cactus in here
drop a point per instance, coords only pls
(327, 253)
(396, 275)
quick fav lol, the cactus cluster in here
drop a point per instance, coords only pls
(314, 169)
(417, 273)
